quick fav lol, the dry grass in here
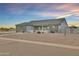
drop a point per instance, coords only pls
(69, 39)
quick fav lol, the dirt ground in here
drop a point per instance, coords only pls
(13, 48)
(60, 38)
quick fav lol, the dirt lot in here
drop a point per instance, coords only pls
(69, 39)
(13, 48)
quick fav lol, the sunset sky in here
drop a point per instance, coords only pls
(11, 14)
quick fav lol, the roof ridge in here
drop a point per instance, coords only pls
(47, 20)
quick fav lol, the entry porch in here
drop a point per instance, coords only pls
(45, 29)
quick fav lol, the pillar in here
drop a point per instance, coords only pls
(42, 29)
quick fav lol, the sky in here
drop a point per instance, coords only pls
(14, 13)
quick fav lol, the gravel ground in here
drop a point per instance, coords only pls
(60, 38)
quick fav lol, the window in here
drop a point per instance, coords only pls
(48, 27)
(53, 26)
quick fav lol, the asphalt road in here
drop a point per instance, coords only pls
(16, 48)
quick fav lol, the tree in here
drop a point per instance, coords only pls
(72, 28)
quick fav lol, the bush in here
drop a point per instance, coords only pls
(38, 32)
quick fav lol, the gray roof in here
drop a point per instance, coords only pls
(22, 24)
(44, 22)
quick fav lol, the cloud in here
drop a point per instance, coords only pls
(46, 14)
(59, 11)
(17, 8)
(52, 10)
(66, 6)
(54, 14)
(16, 11)
(72, 8)
(63, 16)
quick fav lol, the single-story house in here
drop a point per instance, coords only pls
(44, 26)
